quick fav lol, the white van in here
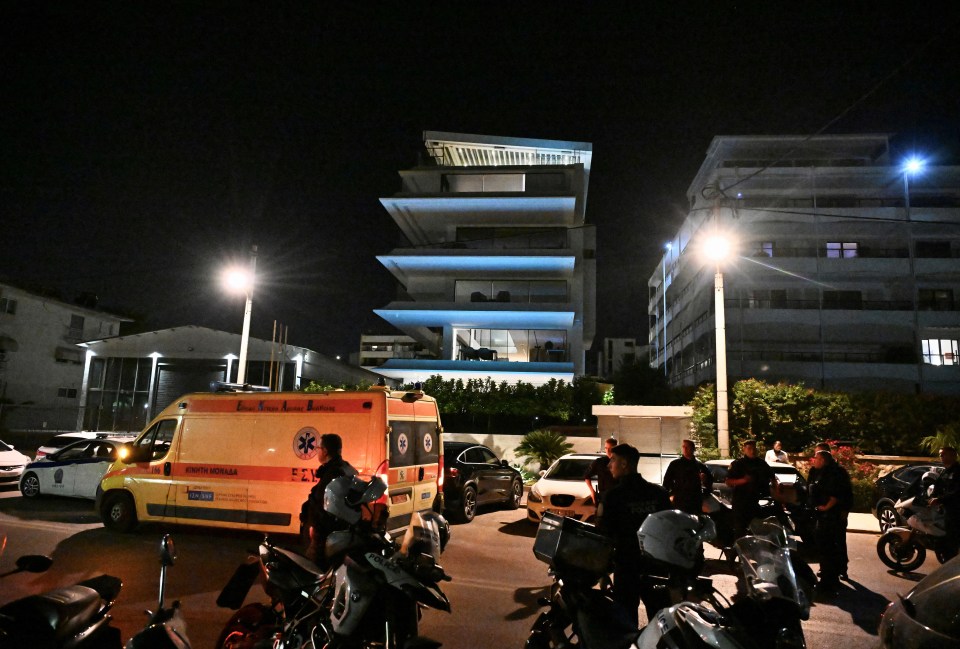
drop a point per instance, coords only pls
(248, 460)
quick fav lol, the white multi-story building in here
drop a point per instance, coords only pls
(377, 349)
(499, 276)
(845, 272)
(41, 366)
(617, 352)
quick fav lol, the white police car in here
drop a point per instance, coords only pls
(75, 470)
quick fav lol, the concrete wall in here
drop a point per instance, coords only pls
(503, 445)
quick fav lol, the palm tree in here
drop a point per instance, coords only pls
(544, 446)
(948, 435)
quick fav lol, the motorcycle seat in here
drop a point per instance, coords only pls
(65, 611)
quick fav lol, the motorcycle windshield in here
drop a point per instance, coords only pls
(767, 571)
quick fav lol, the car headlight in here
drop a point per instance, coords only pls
(534, 496)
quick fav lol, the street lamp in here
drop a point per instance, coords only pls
(911, 166)
(239, 279)
(668, 247)
(717, 249)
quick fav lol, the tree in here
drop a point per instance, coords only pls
(948, 435)
(637, 383)
(544, 446)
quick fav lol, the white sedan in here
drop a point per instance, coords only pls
(12, 462)
(75, 470)
(562, 489)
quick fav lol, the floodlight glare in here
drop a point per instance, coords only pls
(238, 279)
(913, 165)
(716, 248)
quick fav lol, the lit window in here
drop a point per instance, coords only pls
(940, 351)
(841, 250)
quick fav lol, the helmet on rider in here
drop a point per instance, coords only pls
(675, 537)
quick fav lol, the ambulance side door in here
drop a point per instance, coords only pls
(156, 490)
(427, 458)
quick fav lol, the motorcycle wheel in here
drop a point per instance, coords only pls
(247, 627)
(899, 555)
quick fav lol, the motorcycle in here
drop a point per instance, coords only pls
(767, 612)
(796, 520)
(72, 617)
(166, 627)
(580, 610)
(371, 596)
(904, 548)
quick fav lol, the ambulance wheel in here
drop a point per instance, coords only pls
(30, 485)
(118, 512)
(468, 506)
(516, 495)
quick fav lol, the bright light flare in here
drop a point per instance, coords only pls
(913, 165)
(716, 248)
(238, 279)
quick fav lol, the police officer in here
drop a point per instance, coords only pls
(749, 476)
(600, 468)
(946, 492)
(312, 515)
(686, 479)
(621, 512)
(831, 497)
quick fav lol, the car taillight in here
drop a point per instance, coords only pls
(440, 472)
(453, 471)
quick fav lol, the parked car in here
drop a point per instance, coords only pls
(12, 462)
(793, 486)
(474, 476)
(75, 470)
(562, 489)
(927, 615)
(902, 482)
(58, 441)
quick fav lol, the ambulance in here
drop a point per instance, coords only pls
(247, 460)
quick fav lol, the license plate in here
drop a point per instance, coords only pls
(561, 512)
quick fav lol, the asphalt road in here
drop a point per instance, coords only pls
(496, 579)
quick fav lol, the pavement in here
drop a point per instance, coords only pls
(864, 523)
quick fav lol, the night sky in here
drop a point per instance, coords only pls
(143, 147)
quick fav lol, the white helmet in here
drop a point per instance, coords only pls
(344, 496)
(928, 478)
(675, 537)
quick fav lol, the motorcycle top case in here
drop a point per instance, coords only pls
(567, 543)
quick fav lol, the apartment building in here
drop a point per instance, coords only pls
(41, 366)
(617, 352)
(844, 269)
(498, 273)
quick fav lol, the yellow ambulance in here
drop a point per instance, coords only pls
(248, 459)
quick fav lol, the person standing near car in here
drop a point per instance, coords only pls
(686, 480)
(946, 492)
(313, 516)
(776, 454)
(623, 508)
(600, 469)
(749, 477)
(831, 496)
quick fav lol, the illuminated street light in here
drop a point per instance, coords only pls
(240, 279)
(911, 167)
(718, 249)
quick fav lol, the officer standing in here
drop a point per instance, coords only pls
(749, 476)
(621, 512)
(312, 515)
(686, 479)
(831, 497)
(600, 469)
(946, 492)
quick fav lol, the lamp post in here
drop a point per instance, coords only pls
(668, 247)
(717, 249)
(239, 279)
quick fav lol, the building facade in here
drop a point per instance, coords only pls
(377, 349)
(617, 352)
(127, 380)
(41, 366)
(498, 275)
(844, 272)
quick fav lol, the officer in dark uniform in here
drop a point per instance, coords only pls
(686, 479)
(749, 476)
(946, 492)
(312, 515)
(831, 497)
(621, 512)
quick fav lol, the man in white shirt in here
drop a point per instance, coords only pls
(776, 454)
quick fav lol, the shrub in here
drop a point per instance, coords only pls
(544, 446)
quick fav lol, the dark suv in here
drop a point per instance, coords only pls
(474, 476)
(901, 483)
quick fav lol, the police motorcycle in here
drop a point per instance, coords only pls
(166, 627)
(904, 548)
(580, 611)
(371, 596)
(765, 614)
(71, 617)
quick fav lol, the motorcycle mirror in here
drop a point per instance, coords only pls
(34, 563)
(168, 551)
